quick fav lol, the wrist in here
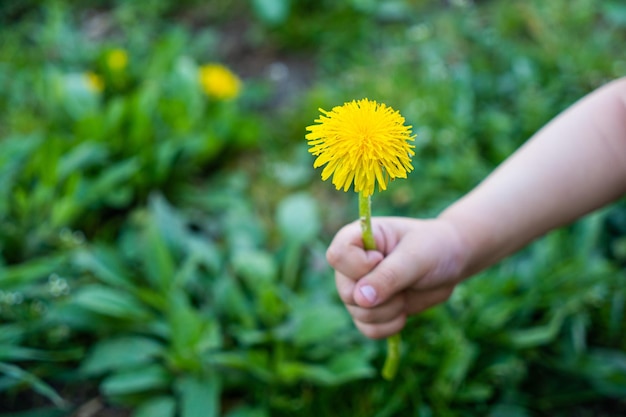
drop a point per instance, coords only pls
(474, 249)
(456, 264)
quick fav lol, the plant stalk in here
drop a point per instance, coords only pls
(392, 360)
(365, 217)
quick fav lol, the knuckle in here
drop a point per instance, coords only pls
(388, 279)
(333, 255)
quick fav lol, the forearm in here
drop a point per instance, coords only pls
(574, 165)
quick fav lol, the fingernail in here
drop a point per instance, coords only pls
(368, 292)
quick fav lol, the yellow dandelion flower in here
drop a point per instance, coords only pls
(219, 82)
(94, 82)
(117, 59)
(362, 142)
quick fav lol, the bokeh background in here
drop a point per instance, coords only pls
(162, 229)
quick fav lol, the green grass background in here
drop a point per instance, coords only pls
(162, 252)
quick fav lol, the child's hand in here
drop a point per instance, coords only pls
(572, 166)
(417, 265)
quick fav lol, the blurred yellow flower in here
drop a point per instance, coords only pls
(117, 59)
(218, 81)
(94, 81)
(362, 141)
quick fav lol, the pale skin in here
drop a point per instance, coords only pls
(574, 165)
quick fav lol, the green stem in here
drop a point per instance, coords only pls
(390, 367)
(365, 215)
(392, 360)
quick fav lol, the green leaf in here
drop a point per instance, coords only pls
(32, 270)
(80, 157)
(272, 12)
(136, 380)
(257, 268)
(105, 264)
(317, 323)
(192, 334)
(111, 182)
(174, 230)
(270, 306)
(122, 353)
(254, 362)
(158, 260)
(110, 302)
(494, 315)
(15, 152)
(76, 96)
(170, 223)
(298, 218)
(16, 353)
(351, 365)
(156, 407)
(292, 372)
(606, 370)
(11, 334)
(615, 12)
(231, 301)
(206, 252)
(538, 335)
(32, 381)
(199, 396)
(243, 231)
(475, 392)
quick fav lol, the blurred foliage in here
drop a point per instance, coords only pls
(163, 248)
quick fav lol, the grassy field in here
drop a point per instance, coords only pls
(162, 229)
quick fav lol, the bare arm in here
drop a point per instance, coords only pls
(575, 164)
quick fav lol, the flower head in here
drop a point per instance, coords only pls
(94, 82)
(362, 141)
(117, 59)
(219, 82)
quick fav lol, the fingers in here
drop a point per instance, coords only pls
(347, 256)
(380, 331)
(381, 314)
(381, 321)
(416, 266)
(423, 258)
(352, 262)
(345, 288)
(399, 270)
(390, 317)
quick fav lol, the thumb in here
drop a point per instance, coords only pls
(401, 269)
